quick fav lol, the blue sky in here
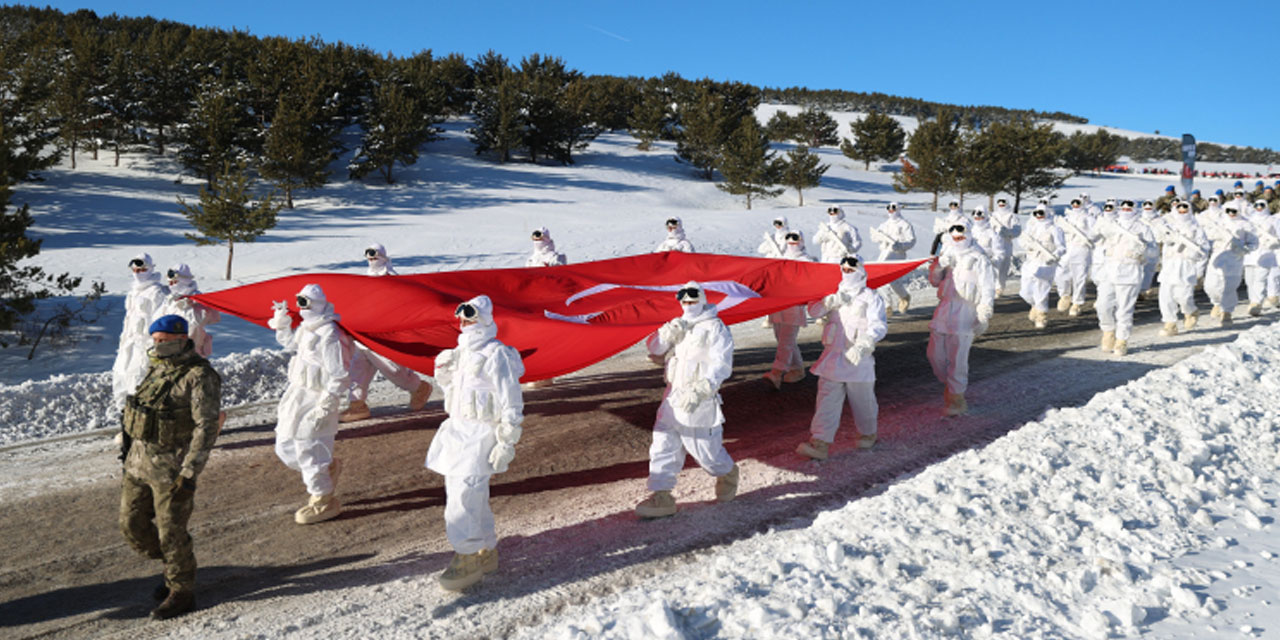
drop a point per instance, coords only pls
(1206, 68)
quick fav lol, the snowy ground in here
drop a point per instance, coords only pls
(1150, 510)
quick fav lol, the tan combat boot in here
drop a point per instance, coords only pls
(466, 569)
(318, 509)
(1227, 320)
(1170, 329)
(904, 303)
(1122, 347)
(1215, 312)
(1041, 319)
(866, 441)
(814, 448)
(659, 504)
(794, 375)
(1255, 310)
(1272, 302)
(1074, 310)
(1064, 303)
(954, 404)
(1189, 322)
(357, 410)
(418, 399)
(178, 602)
(775, 378)
(1108, 340)
(727, 485)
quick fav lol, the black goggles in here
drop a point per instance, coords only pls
(956, 228)
(1076, 202)
(137, 263)
(1039, 213)
(303, 302)
(777, 223)
(1127, 203)
(978, 215)
(672, 222)
(793, 237)
(849, 261)
(537, 235)
(171, 274)
(370, 253)
(689, 293)
(1181, 207)
(1231, 211)
(1002, 202)
(1109, 207)
(466, 311)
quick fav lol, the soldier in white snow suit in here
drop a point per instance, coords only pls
(1232, 239)
(1259, 263)
(1152, 219)
(1073, 268)
(1007, 227)
(1044, 245)
(966, 283)
(182, 285)
(788, 363)
(365, 363)
(481, 383)
(307, 417)
(775, 240)
(895, 237)
(953, 216)
(836, 238)
(146, 296)
(698, 352)
(675, 238)
(1184, 248)
(544, 250)
(846, 369)
(1125, 242)
(984, 235)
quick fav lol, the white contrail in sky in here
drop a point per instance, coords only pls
(607, 33)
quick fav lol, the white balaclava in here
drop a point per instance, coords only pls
(1127, 212)
(480, 309)
(1084, 199)
(317, 304)
(1260, 206)
(1182, 215)
(893, 210)
(692, 311)
(544, 244)
(146, 278)
(980, 217)
(378, 260)
(678, 232)
(954, 206)
(1077, 205)
(780, 226)
(181, 281)
(856, 281)
(794, 248)
(1002, 205)
(835, 213)
(960, 240)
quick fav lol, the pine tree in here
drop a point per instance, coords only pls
(1022, 156)
(1090, 151)
(935, 150)
(816, 128)
(79, 75)
(553, 126)
(701, 136)
(781, 126)
(217, 129)
(396, 124)
(168, 78)
(27, 133)
(498, 107)
(801, 169)
(228, 211)
(748, 164)
(298, 149)
(122, 95)
(651, 119)
(875, 137)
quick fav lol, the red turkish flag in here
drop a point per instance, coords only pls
(560, 319)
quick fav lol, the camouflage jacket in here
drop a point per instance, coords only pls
(1164, 204)
(173, 417)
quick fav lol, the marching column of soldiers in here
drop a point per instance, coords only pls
(169, 395)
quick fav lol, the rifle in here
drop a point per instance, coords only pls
(1185, 242)
(1070, 226)
(1049, 256)
(773, 244)
(881, 238)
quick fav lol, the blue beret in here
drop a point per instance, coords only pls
(1169, 188)
(169, 324)
(1195, 191)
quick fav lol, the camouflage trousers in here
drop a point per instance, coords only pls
(154, 521)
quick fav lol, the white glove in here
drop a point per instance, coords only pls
(688, 398)
(445, 359)
(984, 319)
(836, 300)
(673, 331)
(279, 315)
(508, 433)
(862, 347)
(946, 260)
(327, 408)
(501, 456)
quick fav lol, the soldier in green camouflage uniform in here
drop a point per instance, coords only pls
(170, 424)
(1198, 203)
(1164, 204)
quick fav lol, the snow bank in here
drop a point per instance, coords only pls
(75, 403)
(1073, 526)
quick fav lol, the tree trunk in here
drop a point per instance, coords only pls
(73, 154)
(866, 165)
(288, 197)
(160, 138)
(748, 200)
(231, 251)
(118, 134)
(935, 201)
(801, 194)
